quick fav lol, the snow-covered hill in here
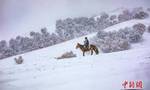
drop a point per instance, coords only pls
(106, 71)
(20, 17)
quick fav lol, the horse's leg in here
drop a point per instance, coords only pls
(91, 52)
(83, 53)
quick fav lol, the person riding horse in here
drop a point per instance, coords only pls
(86, 43)
(87, 47)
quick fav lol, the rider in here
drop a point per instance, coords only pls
(86, 42)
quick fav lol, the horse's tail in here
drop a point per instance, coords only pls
(96, 50)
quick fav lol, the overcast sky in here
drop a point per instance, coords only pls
(19, 17)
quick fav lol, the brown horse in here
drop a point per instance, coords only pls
(84, 49)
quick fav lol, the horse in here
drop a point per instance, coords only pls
(86, 49)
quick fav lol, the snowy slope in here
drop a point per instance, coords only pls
(20, 17)
(128, 24)
(106, 71)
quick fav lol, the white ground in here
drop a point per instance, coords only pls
(106, 71)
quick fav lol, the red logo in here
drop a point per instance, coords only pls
(132, 85)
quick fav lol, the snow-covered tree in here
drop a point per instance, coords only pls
(148, 9)
(45, 37)
(26, 44)
(36, 40)
(13, 44)
(3, 45)
(113, 17)
(141, 15)
(5, 51)
(110, 41)
(70, 28)
(139, 28)
(134, 37)
(55, 39)
(60, 28)
(44, 32)
(126, 15)
(148, 28)
(8, 52)
(74, 27)
(103, 21)
(101, 34)
(118, 40)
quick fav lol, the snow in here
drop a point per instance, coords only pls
(128, 24)
(20, 17)
(106, 71)
(112, 12)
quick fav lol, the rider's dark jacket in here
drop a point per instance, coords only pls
(86, 42)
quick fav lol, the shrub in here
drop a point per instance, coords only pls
(125, 15)
(118, 41)
(113, 17)
(114, 45)
(19, 60)
(102, 34)
(67, 55)
(140, 28)
(134, 36)
(148, 9)
(141, 15)
(148, 29)
(111, 41)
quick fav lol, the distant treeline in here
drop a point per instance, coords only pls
(67, 29)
